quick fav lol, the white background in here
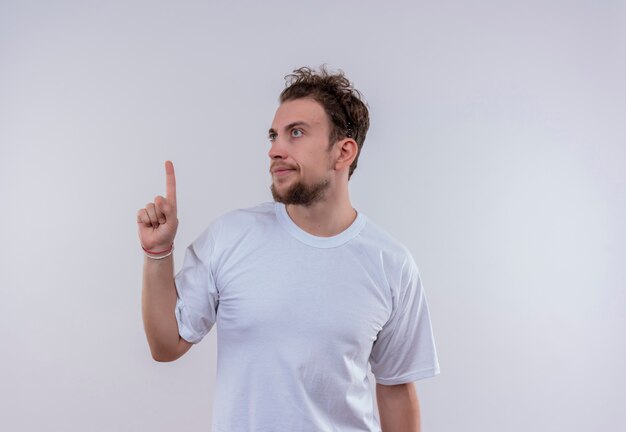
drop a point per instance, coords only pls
(497, 154)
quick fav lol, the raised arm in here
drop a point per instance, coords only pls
(157, 224)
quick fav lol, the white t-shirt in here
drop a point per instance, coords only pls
(299, 317)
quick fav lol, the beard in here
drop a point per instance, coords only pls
(301, 193)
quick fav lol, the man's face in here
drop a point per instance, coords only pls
(300, 163)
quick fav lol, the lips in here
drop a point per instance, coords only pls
(282, 169)
(281, 172)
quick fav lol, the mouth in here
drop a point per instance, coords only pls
(283, 172)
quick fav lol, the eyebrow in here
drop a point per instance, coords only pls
(291, 126)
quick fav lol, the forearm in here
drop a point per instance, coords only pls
(398, 408)
(158, 299)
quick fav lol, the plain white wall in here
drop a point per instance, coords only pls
(496, 154)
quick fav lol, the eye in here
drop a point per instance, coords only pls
(296, 133)
(271, 136)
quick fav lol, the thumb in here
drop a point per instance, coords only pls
(165, 207)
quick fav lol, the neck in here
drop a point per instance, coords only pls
(325, 218)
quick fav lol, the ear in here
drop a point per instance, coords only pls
(348, 150)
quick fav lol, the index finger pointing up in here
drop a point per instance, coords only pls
(170, 183)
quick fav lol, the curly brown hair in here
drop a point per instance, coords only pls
(344, 105)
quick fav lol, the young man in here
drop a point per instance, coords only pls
(305, 290)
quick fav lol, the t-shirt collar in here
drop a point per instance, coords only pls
(321, 242)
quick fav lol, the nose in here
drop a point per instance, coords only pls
(277, 149)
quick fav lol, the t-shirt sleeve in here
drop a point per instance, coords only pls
(404, 350)
(197, 295)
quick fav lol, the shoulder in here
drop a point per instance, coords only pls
(230, 227)
(244, 217)
(388, 254)
(389, 247)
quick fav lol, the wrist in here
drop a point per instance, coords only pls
(159, 252)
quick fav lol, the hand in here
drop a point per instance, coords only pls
(157, 222)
